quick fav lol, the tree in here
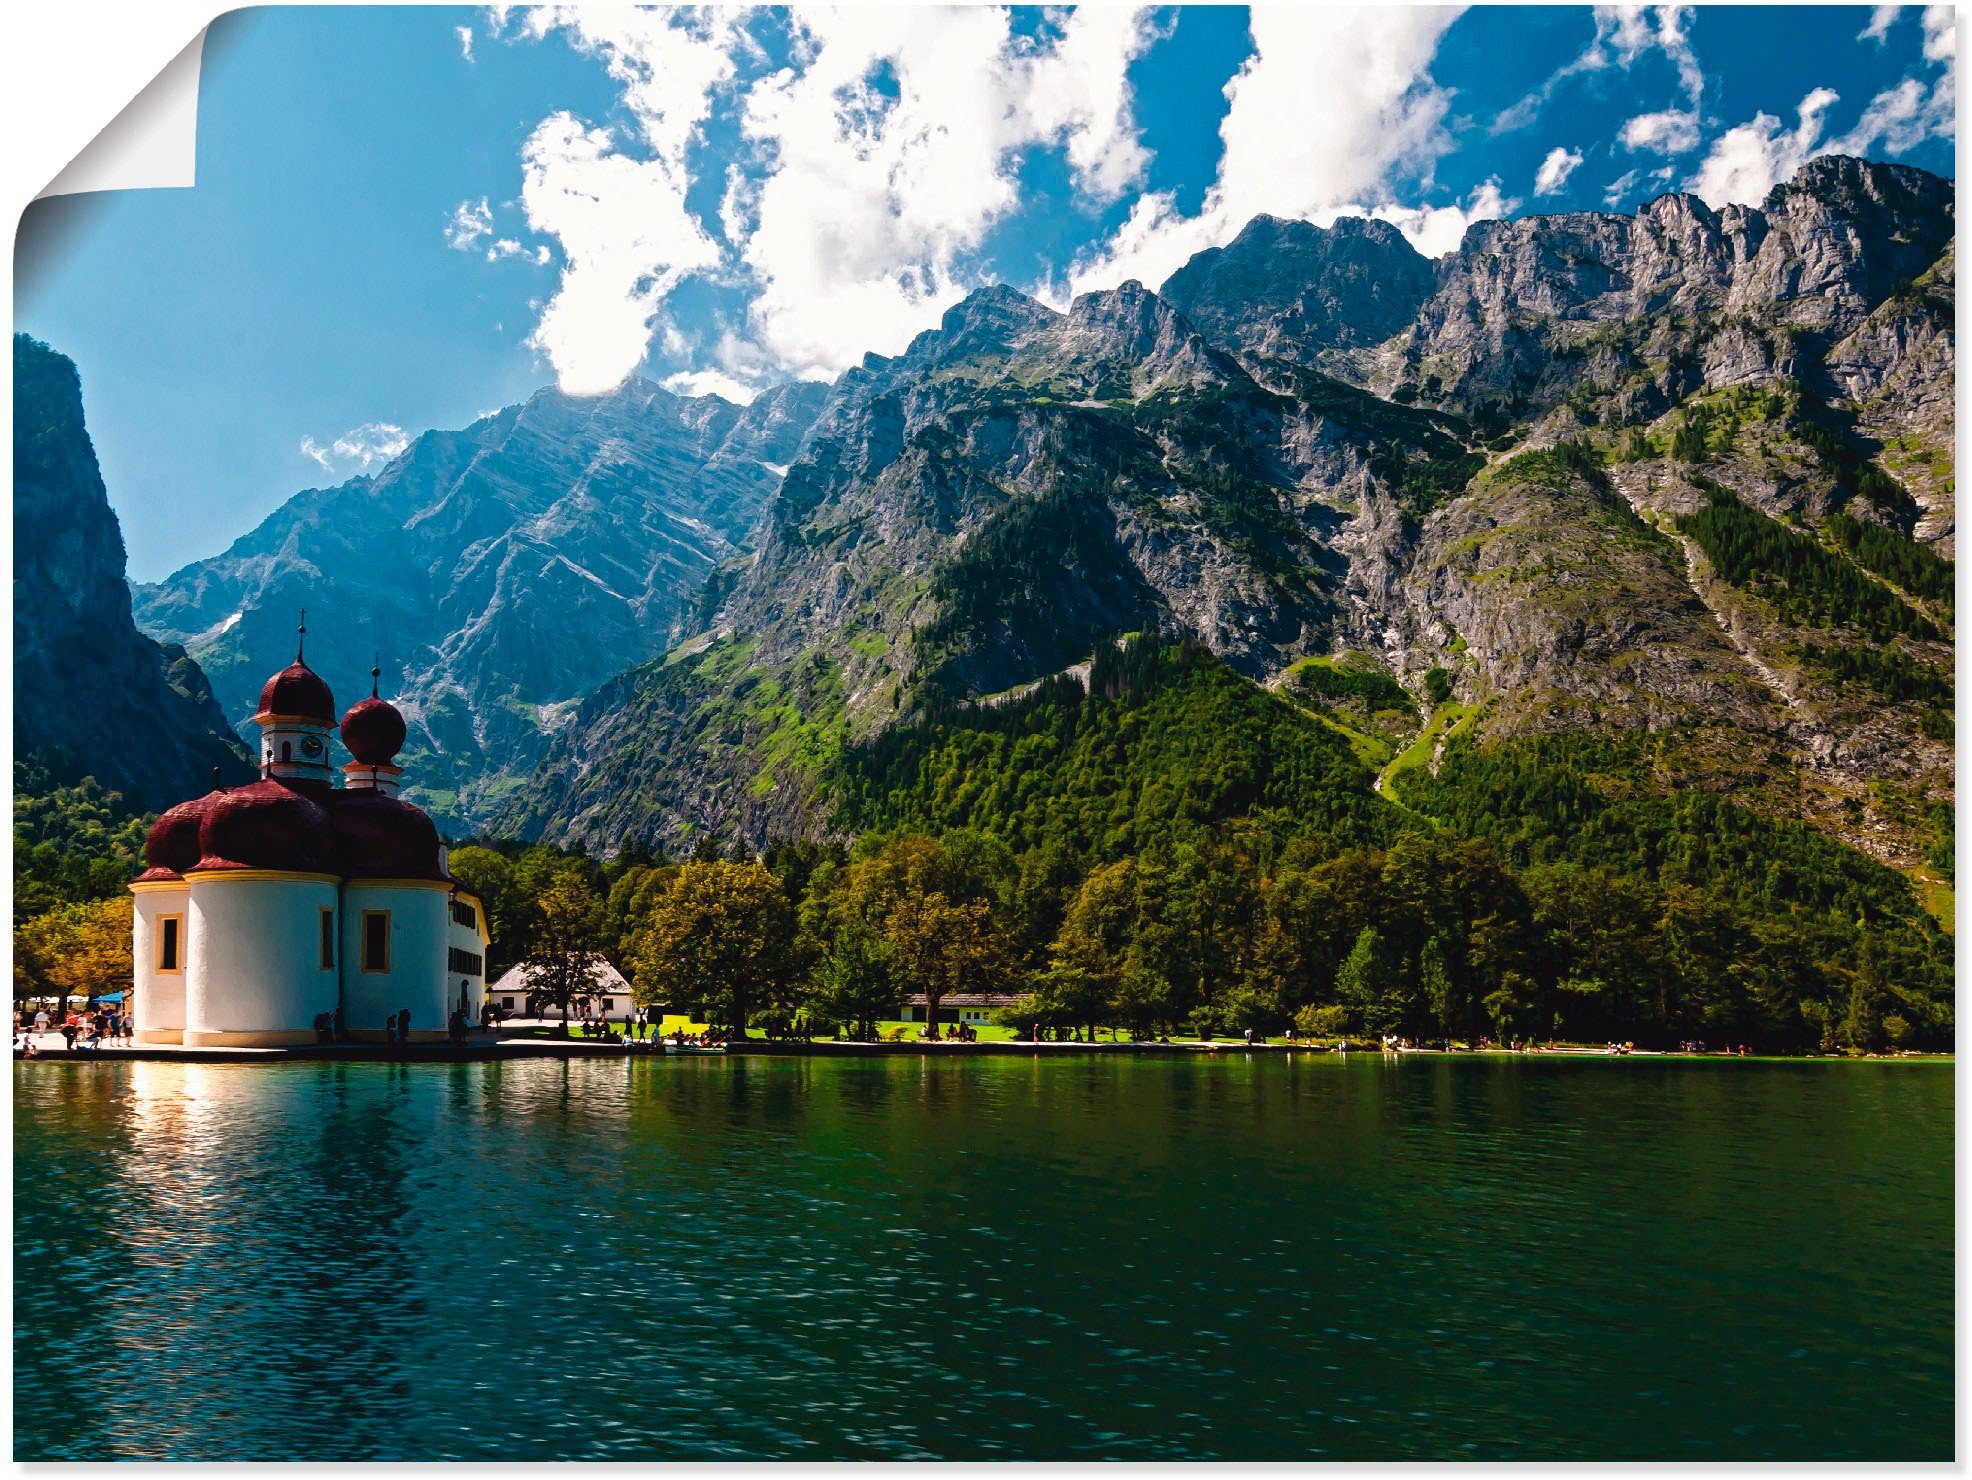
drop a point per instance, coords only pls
(1441, 997)
(1092, 949)
(79, 950)
(1144, 998)
(852, 984)
(1368, 987)
(71, 843)
(719, 934)
(627, 910)
(567, 926)
(940, 947)
(1068, 996)
(485, 873)
(933, 905)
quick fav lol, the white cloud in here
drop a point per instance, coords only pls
(1555, 170)
(1748, 161)
(876, 157)
(464, 33)
(626, 233)
(1881, 18)
(627, 240)
(710, 383)
(880, 149)
(1900, 118)
(1624, 34)
(1436, 230)
(1331, 104)
(471, 220)
(892, 152)
(506, 247)
(1672, 131)
(361, 447)
(1619, 188)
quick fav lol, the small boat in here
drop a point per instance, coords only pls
(688, 1050)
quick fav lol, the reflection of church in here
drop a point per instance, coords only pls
(266, 905)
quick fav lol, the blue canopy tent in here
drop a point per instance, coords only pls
(109, 997)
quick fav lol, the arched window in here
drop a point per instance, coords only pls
(287, 750)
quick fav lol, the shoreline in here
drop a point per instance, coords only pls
(502, 1049)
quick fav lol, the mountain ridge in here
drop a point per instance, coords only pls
(1020, 486)
(501, 571)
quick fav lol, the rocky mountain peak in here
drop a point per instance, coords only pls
(1292, 290)
(1131, 326)
(990, 323)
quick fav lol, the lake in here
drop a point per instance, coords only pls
(1082, 1257)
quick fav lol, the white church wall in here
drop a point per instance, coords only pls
(471, 941)
(254, 974)
(414, 975)
(157, 999)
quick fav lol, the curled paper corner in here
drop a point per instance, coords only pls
(152, 144)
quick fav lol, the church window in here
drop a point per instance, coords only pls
(328, 940)
(170, 943)
(287, 751)
(376, 940)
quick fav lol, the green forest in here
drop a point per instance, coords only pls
(1174, 849)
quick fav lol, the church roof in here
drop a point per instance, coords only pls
(373, 731)
(298, 692)
(303, 824)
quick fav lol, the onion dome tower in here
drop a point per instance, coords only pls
(296, 718)
(373, 732)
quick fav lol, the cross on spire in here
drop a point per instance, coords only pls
(376, 672)
(301, 635)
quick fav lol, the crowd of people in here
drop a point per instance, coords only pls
(101, 1025)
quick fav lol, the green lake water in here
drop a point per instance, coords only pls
(1077, 1258)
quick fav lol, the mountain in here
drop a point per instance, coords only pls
(1290, 290)
(93, 695)
(1683, 475)
(502, 572)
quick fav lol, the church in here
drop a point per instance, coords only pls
(264, 906)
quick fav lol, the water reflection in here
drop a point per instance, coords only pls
(915, 1258)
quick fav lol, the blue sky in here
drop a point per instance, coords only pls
(406, 217)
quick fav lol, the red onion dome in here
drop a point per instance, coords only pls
(298, 691)
(173, 843)
(373, 730)
(267, 825)
(381, 837)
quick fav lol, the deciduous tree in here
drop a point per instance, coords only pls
(721, 935)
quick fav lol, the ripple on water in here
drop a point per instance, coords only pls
(999, 1258)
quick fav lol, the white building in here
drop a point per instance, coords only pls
(975, 1008)
(608, 994)
(266, 905)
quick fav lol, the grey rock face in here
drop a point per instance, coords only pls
(93, 695)
(1287, 290)
(503, 572)
(1020, 486)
